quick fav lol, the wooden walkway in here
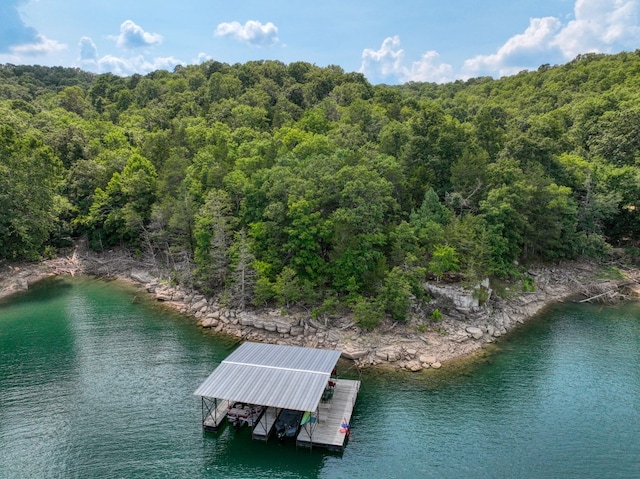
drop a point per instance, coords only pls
(212, 421)
(263, 429)
(332, 415)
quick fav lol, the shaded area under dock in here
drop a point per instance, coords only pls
(264, 428)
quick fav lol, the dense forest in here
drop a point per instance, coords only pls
(268, 183)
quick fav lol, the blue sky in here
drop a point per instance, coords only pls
(389, 41)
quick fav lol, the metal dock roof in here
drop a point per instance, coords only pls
(289, 377)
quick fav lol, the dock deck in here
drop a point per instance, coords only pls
(263, 429)
(212, 421)
(332, 415)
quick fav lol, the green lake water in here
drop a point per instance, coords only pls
(97, 381)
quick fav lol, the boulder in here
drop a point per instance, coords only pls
(163, 295)
(459, 337)
(198, 297)
(427, 359)
(476, 333)
(245, 320)
(354, 354)
(413, 366)
(282, 327)
(393, 353)
(199, 305)
(209, 322)
(140, 276)
(436, 365)
(296, 330)
(463, 300)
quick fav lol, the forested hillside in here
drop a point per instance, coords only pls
(269, 183)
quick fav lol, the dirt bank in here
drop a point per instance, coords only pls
(469, 321)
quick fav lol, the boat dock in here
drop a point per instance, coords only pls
(328, 432)
(278, 378)
(213, 420)
(264, 428)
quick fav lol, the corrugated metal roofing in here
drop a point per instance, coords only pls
(289, 377)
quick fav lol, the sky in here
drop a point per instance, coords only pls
(389, 41)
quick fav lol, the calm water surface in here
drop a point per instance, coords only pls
(96, 381)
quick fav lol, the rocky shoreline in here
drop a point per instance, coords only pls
(466, 327)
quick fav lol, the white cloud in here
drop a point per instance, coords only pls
(133, 36)
(202, 57)
(18, 40)
(520, 51)
(42, 46)
(388, 62)
(429, 69)
(128, 66)
(252, 32)
(88, 49)
(605, 26)
(601, 26)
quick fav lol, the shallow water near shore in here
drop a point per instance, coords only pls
(97, 381)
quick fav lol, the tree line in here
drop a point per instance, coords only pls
(268, 183)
